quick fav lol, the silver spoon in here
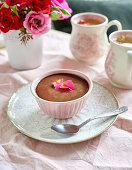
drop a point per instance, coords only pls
(72, 129)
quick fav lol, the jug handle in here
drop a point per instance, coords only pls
(129, 64)
(114, 22)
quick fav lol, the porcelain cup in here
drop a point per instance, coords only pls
(118, 64)
(89, 43)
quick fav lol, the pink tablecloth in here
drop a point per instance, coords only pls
(111, 150)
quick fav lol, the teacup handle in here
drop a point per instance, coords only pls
(129, 64)
(114, 22)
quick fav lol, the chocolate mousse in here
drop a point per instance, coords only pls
(46, 90)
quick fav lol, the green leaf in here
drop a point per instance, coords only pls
(4, 6)
(55, 15)
(56, 8)
(65, 12)
(14, 9)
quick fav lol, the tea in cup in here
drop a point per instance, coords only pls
(89, 42)
(124, 40)
(118, 64)
(89, 22)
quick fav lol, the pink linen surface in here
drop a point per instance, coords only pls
(111, 150)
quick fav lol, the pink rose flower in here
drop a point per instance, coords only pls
(62, 4)
(37, 23)
(63, 85)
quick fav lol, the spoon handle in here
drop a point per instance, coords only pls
(113, 113)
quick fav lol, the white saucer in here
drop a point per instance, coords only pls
(24, 112)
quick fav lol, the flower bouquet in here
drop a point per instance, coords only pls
(23, 21)
(31, 17)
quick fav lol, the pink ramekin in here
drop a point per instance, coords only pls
(62, 110)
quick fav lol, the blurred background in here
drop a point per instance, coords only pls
(120, 10)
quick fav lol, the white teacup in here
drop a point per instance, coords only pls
(118, 64)
(89, 43)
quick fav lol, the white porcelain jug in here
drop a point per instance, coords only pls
(89, 43)
(118, 64)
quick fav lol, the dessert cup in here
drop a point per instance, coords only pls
(62, 110)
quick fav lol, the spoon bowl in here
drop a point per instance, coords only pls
(66, 128)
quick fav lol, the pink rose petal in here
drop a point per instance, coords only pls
(63, 85)
(57, 84)
(69, 84)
